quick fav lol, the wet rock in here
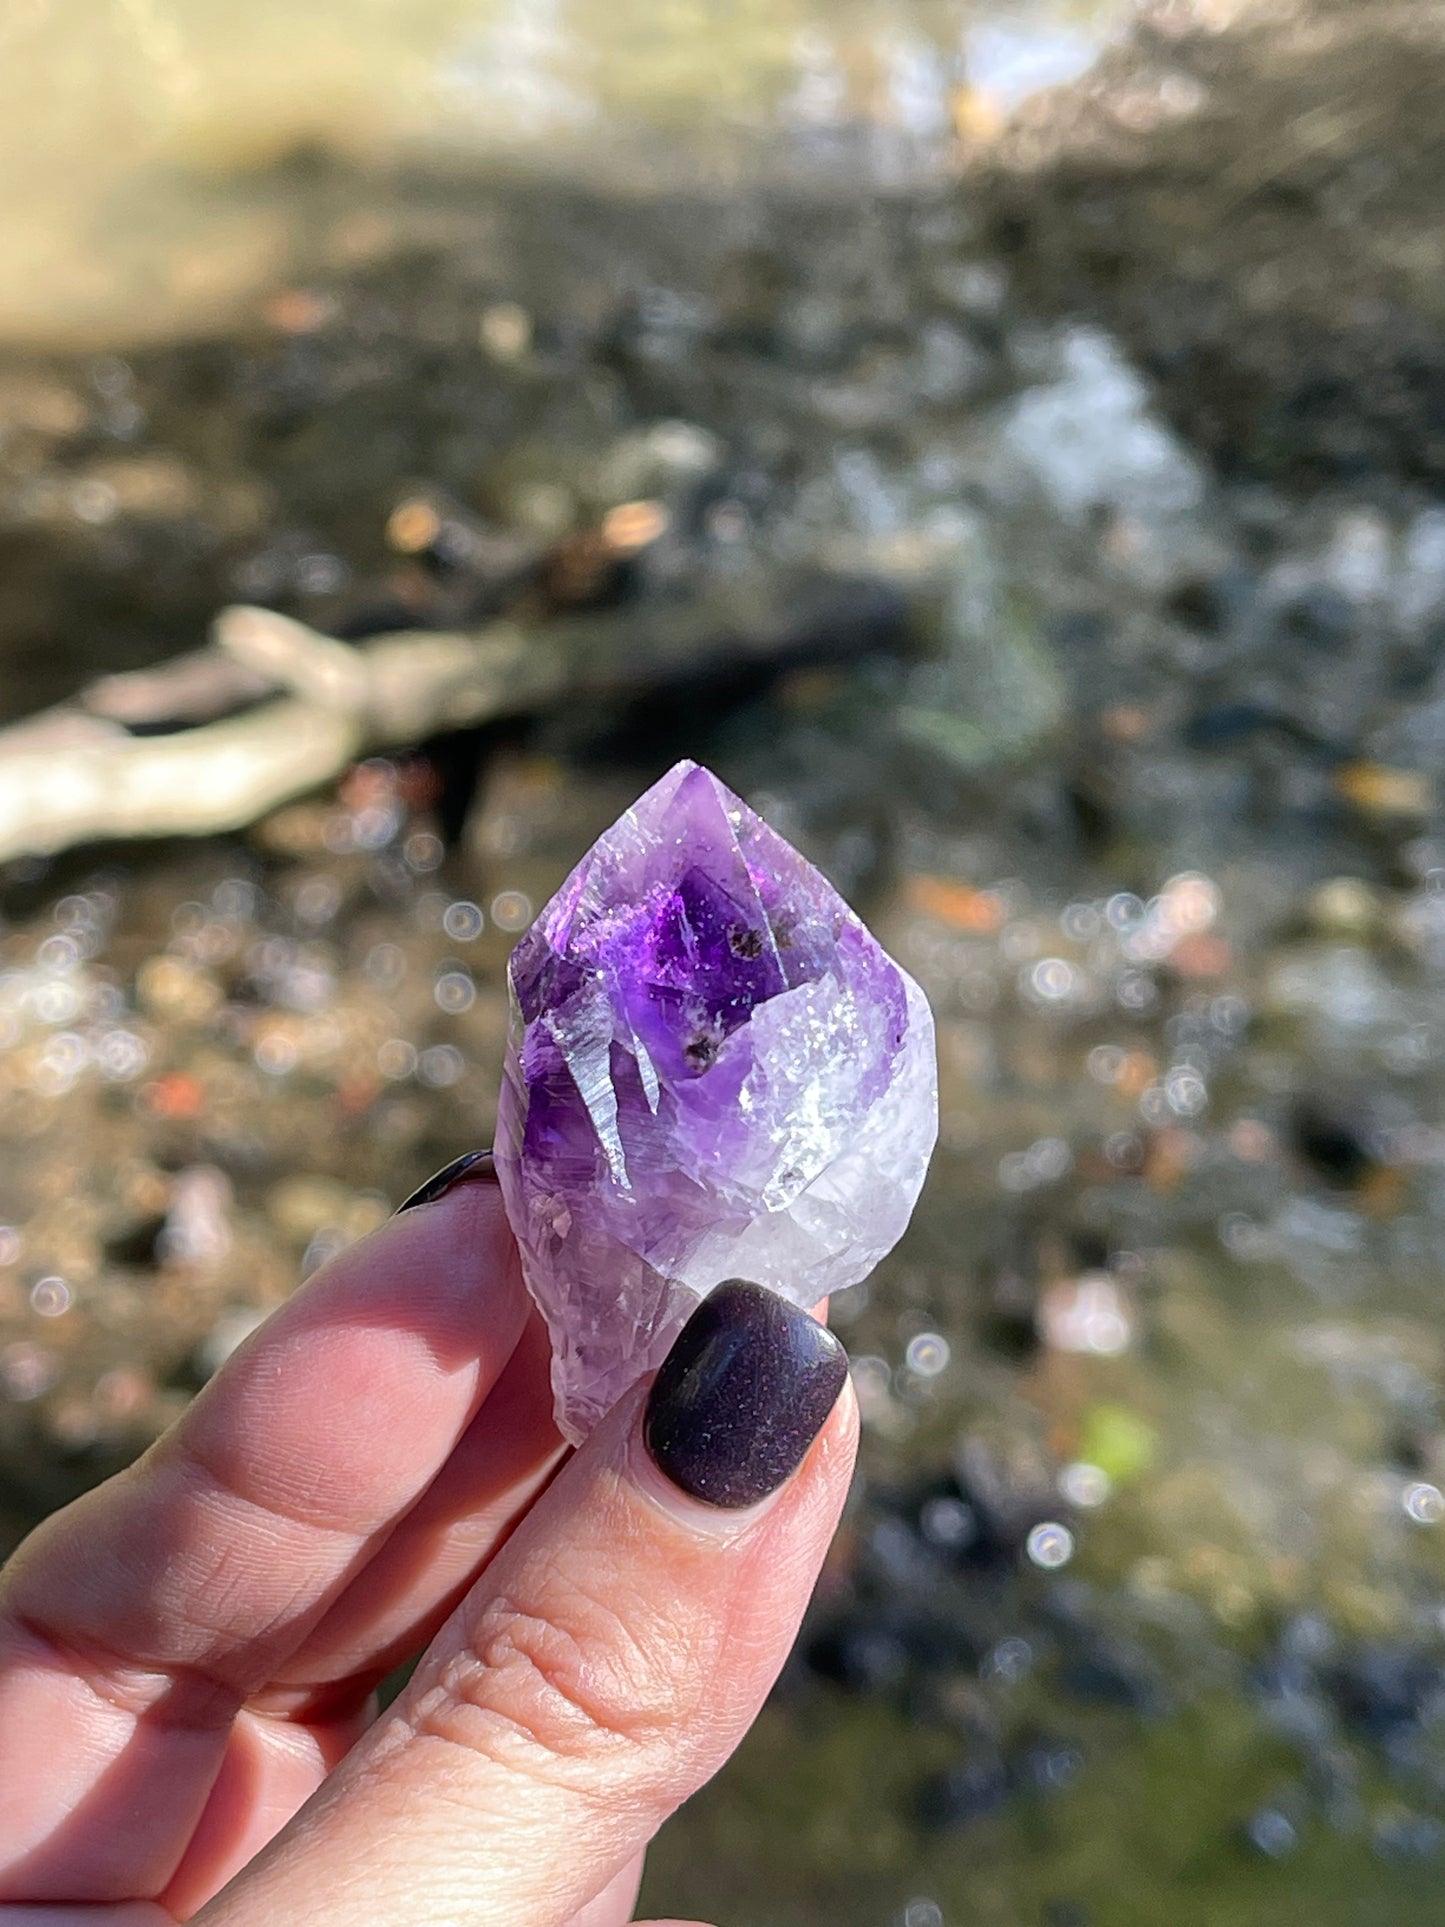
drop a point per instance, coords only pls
(1336, 1141)
(956, 1799)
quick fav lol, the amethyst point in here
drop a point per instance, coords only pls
(714, 1071)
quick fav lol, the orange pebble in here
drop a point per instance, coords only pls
(1379, 790)
(355, 1094)
(1169, 1154)
(958, 905)
(633, 525)
(1126, 722)
(1252, 1139)
(1383, 1192)
(413, 526)
(175, 1095)
(1199, 955)
(1136, 1073)
(299, 311)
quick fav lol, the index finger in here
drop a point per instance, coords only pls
(134, 1624)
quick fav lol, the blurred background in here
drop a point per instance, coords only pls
(1005, 441)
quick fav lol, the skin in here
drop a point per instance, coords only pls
(189, 1654)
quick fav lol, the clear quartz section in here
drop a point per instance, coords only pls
(714, 1071)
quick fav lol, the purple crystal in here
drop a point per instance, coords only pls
(714, 1071)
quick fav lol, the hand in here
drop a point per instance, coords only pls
(189, 1654)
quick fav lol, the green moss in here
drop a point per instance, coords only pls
(807, 1827)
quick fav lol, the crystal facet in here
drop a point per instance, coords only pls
(714, 1071)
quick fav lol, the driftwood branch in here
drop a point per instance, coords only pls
(172, 752)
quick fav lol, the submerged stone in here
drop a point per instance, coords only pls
(714, 1071)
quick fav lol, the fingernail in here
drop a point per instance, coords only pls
(473, 1167)
(741, 1396)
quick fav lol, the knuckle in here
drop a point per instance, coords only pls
(545, 1690)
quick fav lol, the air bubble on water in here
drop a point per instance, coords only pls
(511, 910)
(1136, 991)
(1085, 1485)
(454, 992)
(950, 1522)
(59, 1064)
(187, 918)
(1050, 1545)
(1080, 921)
(1185, 1090)
(310, 984)
(1424, 1503)
(58, 953)
(927, 1354)
(1053, 980)
(385, 965)
(463, 921)
(396, 1059)
(318, 900)
(275, 1054)
(423, 852)
(50, 1297)
(57, 1001)
(1189, 903)
(1048, 1159)
(105, 1000)
(236, 897)
(374, 825)
(1106, 1063)
(1154, 1105)
(1011, 1660)
(440, 1066)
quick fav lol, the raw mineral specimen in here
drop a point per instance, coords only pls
(714, 1071)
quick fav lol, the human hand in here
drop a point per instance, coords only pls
(189, 1653)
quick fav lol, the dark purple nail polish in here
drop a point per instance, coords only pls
(473, 1167)
(742, 1395)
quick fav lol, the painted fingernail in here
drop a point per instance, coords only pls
(473, 1167)
(741, 1396)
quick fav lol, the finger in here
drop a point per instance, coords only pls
(505, 1456)
(133, 1624)
(509, 1452)
(609, 1660)
(614, 1906)
(271, 1766)
(268, 1770)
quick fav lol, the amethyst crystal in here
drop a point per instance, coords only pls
(714, 1072)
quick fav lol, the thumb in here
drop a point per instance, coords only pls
(607, 1662)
